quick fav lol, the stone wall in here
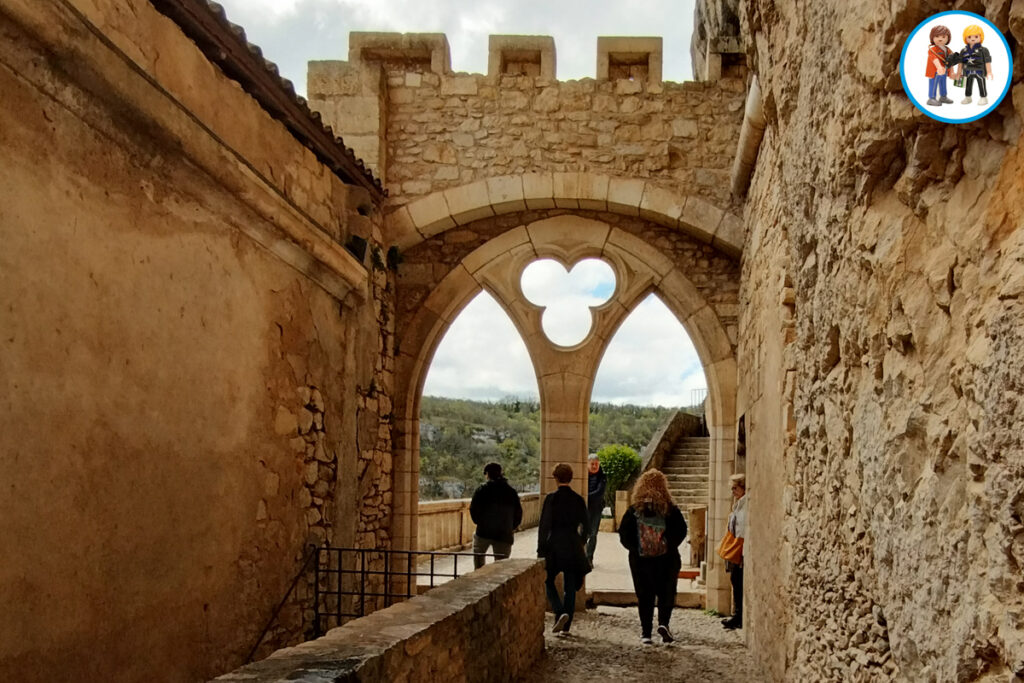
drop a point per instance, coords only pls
(443, 130)
(186, 347)
(714, 275)
(434, 636)
(881, 358)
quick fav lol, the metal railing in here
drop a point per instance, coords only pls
(310, 555)
(347, 581)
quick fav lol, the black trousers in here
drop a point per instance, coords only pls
(736, 577)
(975, 76)
(654, 580)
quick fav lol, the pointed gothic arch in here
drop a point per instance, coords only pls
(565, 376)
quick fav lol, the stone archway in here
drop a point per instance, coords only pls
(694, 215)
(565, 375)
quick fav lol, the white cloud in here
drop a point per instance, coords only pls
(567, 297)
(650, 361)
(481, 356)
(292, 32)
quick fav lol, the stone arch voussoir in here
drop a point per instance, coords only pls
(439, 211)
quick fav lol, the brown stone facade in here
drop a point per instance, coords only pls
(187, 346)
(472, 161)
(436, 131)
(880, 361)
(202, 380)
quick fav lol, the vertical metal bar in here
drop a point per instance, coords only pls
(387, 578)
(431, 570)
(337, 587)
(408, 575)
(316, 595)
(362, 582)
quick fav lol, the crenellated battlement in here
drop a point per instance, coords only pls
(424, 128)
(618, 57)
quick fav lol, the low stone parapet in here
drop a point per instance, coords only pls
(446, 524)
(485, 626)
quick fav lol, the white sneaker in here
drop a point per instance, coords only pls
(982, 101)
(666, 635)
(560, 623)
(966, 100)
(646, 640)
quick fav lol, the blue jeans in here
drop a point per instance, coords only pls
(567, 604)
(936, 83)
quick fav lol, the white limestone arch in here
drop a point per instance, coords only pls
(439, 211)
(565, 376)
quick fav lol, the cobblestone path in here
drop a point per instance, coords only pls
(604, 645)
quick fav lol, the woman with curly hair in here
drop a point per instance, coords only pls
(651, 530)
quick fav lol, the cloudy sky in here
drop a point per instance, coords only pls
(292, 32)
(650, 361)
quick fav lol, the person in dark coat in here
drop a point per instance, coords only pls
(497, 512)
(560, 538)
(597, 482)
(652, 530)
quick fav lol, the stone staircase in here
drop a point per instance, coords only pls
(686, 468)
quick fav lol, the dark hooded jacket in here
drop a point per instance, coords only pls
(496, 510)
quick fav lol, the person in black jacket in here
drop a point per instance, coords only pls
(597, 482)
(651, 530)
(497, 512)
(560, 538)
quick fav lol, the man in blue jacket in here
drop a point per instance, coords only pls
(597, 482)
(497, 512)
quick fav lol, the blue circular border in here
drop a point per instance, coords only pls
(903, 77)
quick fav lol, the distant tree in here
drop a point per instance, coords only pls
(458, 437)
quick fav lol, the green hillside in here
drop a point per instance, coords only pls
(458, 437)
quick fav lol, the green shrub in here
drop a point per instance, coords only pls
(620, 463)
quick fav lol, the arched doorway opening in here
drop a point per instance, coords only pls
(565, 375)
(646, 411)
(479, 405)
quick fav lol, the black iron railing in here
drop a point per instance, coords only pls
(351, 582)
(310, 555)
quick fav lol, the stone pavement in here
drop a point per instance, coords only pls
(604, 645)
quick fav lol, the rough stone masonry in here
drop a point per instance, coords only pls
(213, 340)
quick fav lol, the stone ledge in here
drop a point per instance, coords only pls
(434, 636)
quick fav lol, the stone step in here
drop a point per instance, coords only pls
(687, 495)
(685, 460)
(684, 469)
(693, 481)
(692, 478)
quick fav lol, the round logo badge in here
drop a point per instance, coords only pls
(956, 66)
